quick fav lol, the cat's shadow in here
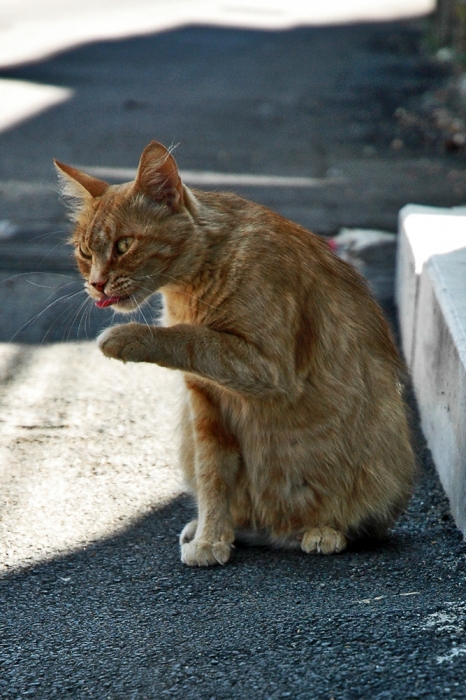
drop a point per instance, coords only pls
(128, 598)
(148, 549)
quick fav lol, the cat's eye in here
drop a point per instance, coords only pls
(123, 245)
(85, 251)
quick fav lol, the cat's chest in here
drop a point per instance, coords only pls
(182, 308)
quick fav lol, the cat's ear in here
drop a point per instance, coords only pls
(78, 187)
(158, 176)
(79, 184)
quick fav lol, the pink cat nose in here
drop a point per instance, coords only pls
(100, 285)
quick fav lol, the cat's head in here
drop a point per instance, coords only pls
(132, 239)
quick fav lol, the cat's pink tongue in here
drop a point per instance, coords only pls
(107, 301)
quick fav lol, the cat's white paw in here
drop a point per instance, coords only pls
(323, 540)
(125, 342)
(201, 553)
(104, 340)
(188, 533)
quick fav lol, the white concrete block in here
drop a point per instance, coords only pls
(423, 232)
(439, 370)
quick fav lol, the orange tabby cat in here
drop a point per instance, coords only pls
(294, 427)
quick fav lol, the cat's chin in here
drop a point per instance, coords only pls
(125, 306)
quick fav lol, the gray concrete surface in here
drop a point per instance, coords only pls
(94, 601)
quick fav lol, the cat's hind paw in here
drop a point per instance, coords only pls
(323, 540)
(201, 553)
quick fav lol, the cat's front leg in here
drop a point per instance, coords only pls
(200, 553)
(128, 342)
(216, 457)
(223, 358)
(208, 540)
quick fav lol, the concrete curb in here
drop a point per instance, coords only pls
(430, 292)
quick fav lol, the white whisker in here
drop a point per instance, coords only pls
(62, 320)
(38, 315)
(75, 316)
(192, 296)
(38, 272)
(46, 286)
(146, 322)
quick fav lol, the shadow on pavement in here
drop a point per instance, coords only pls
(123, 618)
(305, 101)
(317, 102)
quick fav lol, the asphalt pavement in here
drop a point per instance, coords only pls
(121, 617)
(94, 601)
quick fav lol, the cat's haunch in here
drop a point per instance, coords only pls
(294, 431)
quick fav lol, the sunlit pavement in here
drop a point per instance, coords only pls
(32, 30)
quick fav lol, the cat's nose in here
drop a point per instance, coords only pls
(99, 285)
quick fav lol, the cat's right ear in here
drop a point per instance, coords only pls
(79, 187)
(158, 176)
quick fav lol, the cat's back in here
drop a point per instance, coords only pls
(272, 245)
(281, 270)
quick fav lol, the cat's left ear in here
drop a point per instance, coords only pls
(158, 176)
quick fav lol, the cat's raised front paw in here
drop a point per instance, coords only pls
(201, 553)
(323, 540)
(126, 342)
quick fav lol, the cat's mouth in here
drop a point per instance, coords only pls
(105, 301)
